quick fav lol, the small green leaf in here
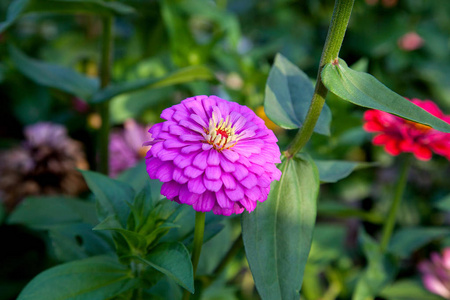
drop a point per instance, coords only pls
(277, 234)
(134, 239)
(335, 170)
(184, 75)
(54, 76)
(112, 196)
(95, 278)
(406, 290)
(364, 90)
(407, 240)
(173, 260)
(380, 271)
(44, 212)
(160, 231)
(288, 96)
(20, 7)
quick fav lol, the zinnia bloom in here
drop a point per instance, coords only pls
(125, 147)
(436, 273)
(44, 164)
(399, 135)
(214, 155)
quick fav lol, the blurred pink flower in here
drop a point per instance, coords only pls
(436, 273)
(125, 146)
(410, 41)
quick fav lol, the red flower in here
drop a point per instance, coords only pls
(399, 135)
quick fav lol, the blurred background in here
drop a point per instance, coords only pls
(226, 48)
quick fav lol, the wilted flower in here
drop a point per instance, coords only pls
(125, 147)
(410, 41)
(399, 135)
(436, 273)
(45, 163)
(214, 155)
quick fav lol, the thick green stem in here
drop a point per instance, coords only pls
(399, 189)
(198, 243)
(336, 32)
(103, 108)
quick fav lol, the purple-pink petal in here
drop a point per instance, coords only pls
(199, 167)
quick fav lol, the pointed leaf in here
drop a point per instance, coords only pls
(335, 170)
(112, 196)
(45, 212)
(407, 240)
(134, 239)
(365, 90)
(288, 96)
(95, 278)
(408, 289)
(77, 241)
(380, 271)
(54, 76)
(184, 75)
(20, 7)
(173, 260)
(277, 234)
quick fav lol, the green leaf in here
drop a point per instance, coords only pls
(20, 7)
(54, 76)
(14, 11)
(277, 234)
(77, 241)
(407, 240)
(443, 204)
(160, 231)
(137, 177)
(338, 209)
(335, 170)
(184, 75)
(327, 244)
(45, 212)
(380, 271)
(112, 196)
(288, 96)
(406, 290)
(364, 90)
(173, 260)
(95, 278)
(134, 239)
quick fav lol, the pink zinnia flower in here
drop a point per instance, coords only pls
(125, 147)
(214, 155)
(399, 135)
(436, 273)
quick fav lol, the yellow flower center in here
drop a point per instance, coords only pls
(221, 134)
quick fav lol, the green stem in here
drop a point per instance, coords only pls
(335, 37)
(198, 243)
(103, 108)
(399, 189)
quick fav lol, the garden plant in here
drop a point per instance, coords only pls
(224, 149)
